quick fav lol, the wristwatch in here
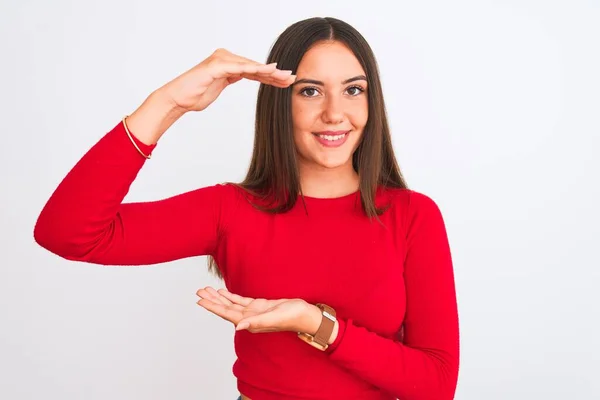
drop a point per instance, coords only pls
(321, 338)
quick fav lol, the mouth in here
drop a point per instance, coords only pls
(332, 138)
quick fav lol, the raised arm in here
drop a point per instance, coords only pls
(85, 218)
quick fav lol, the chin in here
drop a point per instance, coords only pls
(333, 163)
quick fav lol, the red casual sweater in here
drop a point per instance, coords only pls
(390, 281)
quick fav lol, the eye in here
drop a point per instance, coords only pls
(355, 90)
(309, 92)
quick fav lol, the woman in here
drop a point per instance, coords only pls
(339, 279)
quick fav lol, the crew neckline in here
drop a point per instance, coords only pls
(329, 199)
(329, 206)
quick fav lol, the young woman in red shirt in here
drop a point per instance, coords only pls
(338, 278)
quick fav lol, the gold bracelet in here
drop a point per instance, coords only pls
(132, 140)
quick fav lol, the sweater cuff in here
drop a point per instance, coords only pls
(145, 148)
(340, 336)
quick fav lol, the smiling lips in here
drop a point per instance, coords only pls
(332, 138)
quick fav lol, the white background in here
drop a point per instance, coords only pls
(494, 111)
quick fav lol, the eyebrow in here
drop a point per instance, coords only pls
(315, 82)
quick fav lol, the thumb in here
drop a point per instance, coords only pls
(233, 79)
(242, 325)
(262, 322)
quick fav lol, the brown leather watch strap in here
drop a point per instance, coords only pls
(327, 324)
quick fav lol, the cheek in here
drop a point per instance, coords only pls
(359, 114)
(303, 116)
(302, 124)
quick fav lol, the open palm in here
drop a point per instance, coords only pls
(255, 315)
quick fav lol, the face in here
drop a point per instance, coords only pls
(329, 106)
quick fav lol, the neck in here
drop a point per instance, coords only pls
(320, 182)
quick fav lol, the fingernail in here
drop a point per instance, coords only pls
(242, 326)
(272, 64)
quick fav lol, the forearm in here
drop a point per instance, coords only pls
(408, 373)
(154, 117)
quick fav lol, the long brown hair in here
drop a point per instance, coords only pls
(273, 172)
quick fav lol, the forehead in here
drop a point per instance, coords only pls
(329, 60)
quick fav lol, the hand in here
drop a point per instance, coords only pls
(261, 315)
(198, 87)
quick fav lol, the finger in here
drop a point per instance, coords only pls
(282, 80)
(217, 296)
(235, 298)
(282, 85)
(226, 62)
(281, 75)
(212, 295)
(226, 69)
(260, 77)
(227, 313)
(269, 80)
(232, 57)
(234, 79)
(205, 293)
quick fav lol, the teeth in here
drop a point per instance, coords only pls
(331, 138)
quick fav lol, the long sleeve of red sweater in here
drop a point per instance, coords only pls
(85, 218)
(424, 366)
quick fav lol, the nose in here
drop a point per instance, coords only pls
(333, 112)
